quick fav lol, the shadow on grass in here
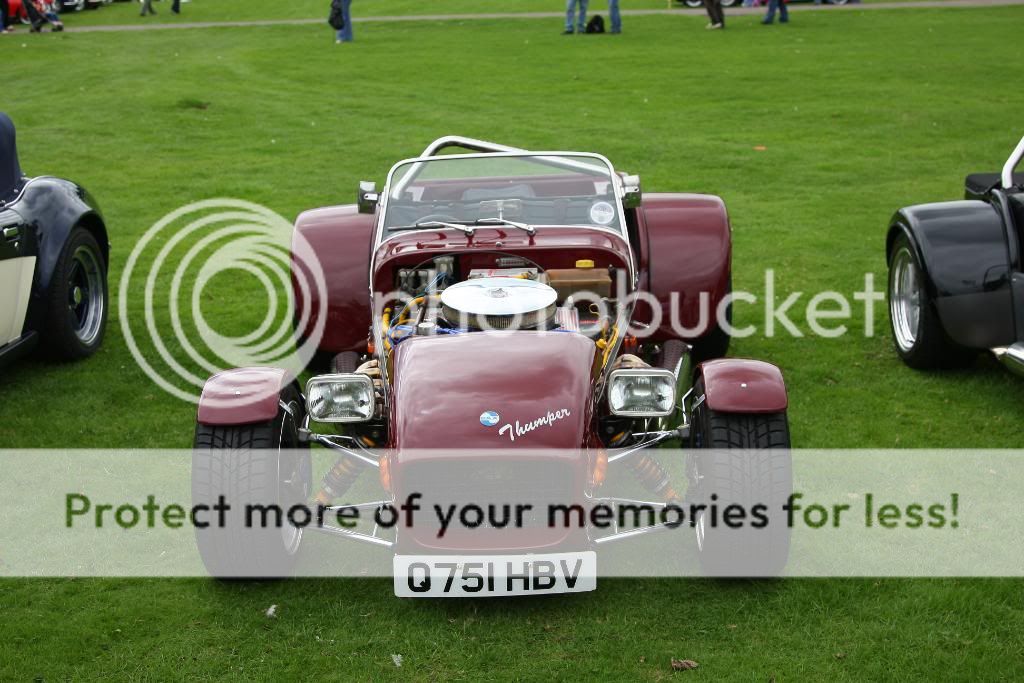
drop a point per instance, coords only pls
(329, 592)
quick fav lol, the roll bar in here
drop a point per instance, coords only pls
(466, 143)
(1011, 163)
(629, 184)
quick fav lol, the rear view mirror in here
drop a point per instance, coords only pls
(501, 208)
(631, 191)
(367, 196)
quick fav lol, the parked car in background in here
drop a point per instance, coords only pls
(54, 255)
(700, 3)
(79, 5)
(737, 3)
(956, 274)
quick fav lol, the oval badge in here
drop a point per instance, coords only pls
(489, 418)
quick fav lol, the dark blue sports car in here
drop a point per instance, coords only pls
(54, 255)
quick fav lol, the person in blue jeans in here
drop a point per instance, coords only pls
(779, 5)
(345, 34)
(570, 12)
(613, 14)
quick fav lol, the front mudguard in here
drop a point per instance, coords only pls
(243, 396)
(53, 207)
(738, 385)
(965, 258)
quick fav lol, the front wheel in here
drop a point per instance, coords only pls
(76, 315)
(258, 472)
(917, 332)
(741, 461)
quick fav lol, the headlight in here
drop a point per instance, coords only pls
(340, 398)
(642, 392)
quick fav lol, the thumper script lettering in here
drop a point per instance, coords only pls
(521, 429)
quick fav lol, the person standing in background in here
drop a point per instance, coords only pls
(580, 21)
(147, 8)
(779, 5)
(613, 15)
(49, 12)
(34, 17)
(715, 14)
(5, 17)
(344, 34)
(176, 6)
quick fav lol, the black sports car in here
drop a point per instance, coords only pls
(53, 261)
(956, 285)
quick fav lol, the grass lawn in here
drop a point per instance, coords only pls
(858, 113)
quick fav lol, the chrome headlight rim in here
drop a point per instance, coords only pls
(667, 375)
(341, 378)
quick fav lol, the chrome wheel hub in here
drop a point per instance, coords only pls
(904, 299)
(85, 295)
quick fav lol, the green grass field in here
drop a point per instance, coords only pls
(859, 112)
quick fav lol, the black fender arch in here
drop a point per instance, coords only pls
(962, 247)
(51, 208)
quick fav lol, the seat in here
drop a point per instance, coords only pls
(11, 180)
(977, 185)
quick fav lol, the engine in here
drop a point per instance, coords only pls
(516, 294)
(499, 303)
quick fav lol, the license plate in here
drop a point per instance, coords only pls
(441, 576)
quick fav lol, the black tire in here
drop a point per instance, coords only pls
(345, 362)
(74, 331)
(741, 459)
(924, 345)
(253, 464)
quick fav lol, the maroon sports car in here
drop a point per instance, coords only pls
(514, 327)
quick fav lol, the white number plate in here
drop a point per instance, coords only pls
(437, 576)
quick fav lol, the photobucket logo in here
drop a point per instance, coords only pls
(642, 314)
(231, 257)
(827, 313)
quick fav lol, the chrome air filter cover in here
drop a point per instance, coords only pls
(498, 303)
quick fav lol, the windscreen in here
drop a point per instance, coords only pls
(537, 190)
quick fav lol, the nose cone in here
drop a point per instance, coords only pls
(527, 390)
